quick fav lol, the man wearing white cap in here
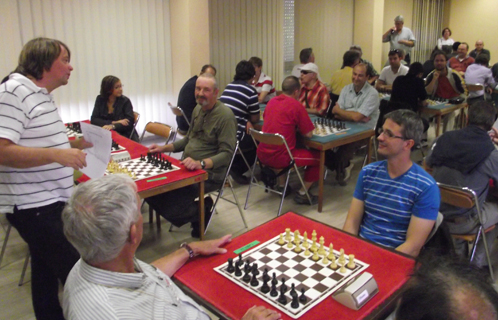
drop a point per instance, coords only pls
(314, 95)
(400, 37)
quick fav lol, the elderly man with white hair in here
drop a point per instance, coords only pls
(400, 37)
(104, 223)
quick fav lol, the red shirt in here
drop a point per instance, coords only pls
(444, 88)
(284, 115)
(460, 65)
(318, 97)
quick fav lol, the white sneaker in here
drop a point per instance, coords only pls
(348, 171)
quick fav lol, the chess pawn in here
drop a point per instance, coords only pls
(281, 240)
(298, 249)
(289, 245)
(307, 252)
(331, 251)
(313, 246)
(343, 269)
(351, 263)
(315, 257)
(325, 260)
(296, 237)
(333, 265)
(342, 258)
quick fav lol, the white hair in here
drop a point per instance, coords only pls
(98, 217)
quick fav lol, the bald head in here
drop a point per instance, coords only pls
(479, 45)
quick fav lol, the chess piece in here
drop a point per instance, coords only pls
(295, 302)
(287, 234)
(305, 240)
(238, 272)
(240, 262)
(230, 267)
(342, 258)
(333, 265)
(302, 297)
(321, 250)
(281, 240)
(298, 249)
(343, 269)
(283, 286)
(266, 277)
(254, 280)
(293, 291)
(247, 277)
(315, 257)
(325, 260)
(307, 252)
(289, 245)
(296, 237)
(274, 280)
(331, 251)
(282, 298)
(273, 291)
(313, 246)
(351, 263)
(255, 269)
(313, 235)
(265, 288)
(247, 266)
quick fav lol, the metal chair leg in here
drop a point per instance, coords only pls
(283, 193)
(4, 245)
(237, 203)
(26, 261)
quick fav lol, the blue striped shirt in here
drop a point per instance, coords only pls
(390, 203)
(243, 100)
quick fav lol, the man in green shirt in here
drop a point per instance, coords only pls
(208, 145)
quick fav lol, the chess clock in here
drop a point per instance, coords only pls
(357, 292)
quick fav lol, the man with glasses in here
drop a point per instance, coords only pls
(314, 95)
(395, 202)
(391, 72)
(208, 145)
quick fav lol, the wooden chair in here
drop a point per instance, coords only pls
(467, 198)
(136, 115)
(275, 139)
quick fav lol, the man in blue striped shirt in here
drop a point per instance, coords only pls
(395, 202)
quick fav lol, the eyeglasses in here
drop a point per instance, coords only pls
(305, 72)
(389, 134)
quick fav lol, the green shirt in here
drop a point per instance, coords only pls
(212, 134)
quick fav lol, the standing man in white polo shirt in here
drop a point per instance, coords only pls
(400, 37)
(36, 166)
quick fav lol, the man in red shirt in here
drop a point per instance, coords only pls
(314, 95)
(462, 60)
(285, 115)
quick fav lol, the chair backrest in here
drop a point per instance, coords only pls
(178, 111)
(474, 87)
(136, 117)
(457, 196)
(274, 139)
(158, 129)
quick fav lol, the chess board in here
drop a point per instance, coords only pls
(327, 127)
(117, 147)
(318, 279)
(438, 102)
(73, 134)
(142, 169)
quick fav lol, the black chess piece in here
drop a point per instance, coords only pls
(230, 267)
(240, 262)
(238, 272)
(254, 280)
(293, 291)
(302, 297)
(273, 291)
(274, 280)
(283, 286)
(247, 266)
(282, 298)
(255, 269)
(295, 302)
(247, 277)
(265, 288)
(266, 277)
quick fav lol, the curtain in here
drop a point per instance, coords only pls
(129, 39)
(240, 29)
(427, 27)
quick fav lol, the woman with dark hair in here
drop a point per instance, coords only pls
(445, 40)
(113, 111)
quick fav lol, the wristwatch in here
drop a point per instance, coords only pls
(189, 250)
(203, 164)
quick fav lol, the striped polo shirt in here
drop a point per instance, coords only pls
(316, 97)
(243, 100)
(92, 293)
(29, 118)
(265, 83)
(390, 203)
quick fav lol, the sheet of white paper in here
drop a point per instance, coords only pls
(98, 156)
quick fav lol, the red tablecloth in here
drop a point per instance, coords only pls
(389, 269)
